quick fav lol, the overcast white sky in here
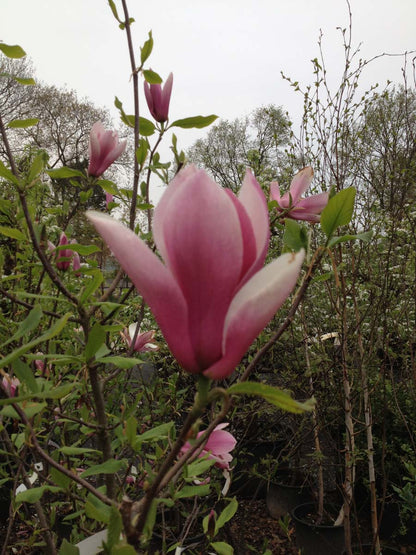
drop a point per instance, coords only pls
(226, 55)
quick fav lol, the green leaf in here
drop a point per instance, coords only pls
(52, 393)
(131, 430)
(25, 375)
(33, 495)
(64, 173)
(7, 174)
(62, 480)
(146, 127)
(111, 466)
(194, 122)
(52, 332)
(146, 49)
(141, 151)
(85, 250)
(364, 236)
(68, 549)
(108, 186)
(75, 451)
(93, 285)
(198, 467)
(273, 395)
(222, 548)
(12, 233)
(30, 409)
(192, 491)
(114, 10)
(295, 236)
(96, 509)
(338, 211)
(22, 123)
(115, 527)
(29, 324)
(226, 515)
(123, 550)
(96, 338)
(36, 167)
(150, 520)
(121, 362)
(152, 77)
(155, 434)
(25, 80)
(12, 51)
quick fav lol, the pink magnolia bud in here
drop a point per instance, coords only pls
(63, 260)
(103, 150)
(158, 99)
(10, 385)
(76, 262)
(108, 198)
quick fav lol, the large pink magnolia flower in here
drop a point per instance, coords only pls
(292, 203)
(144, 341)
(158, 99)
(211, 296)
(103, 149)
(218, 447)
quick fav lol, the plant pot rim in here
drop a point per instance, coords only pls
(302, 520)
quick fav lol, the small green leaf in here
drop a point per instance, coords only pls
(152, 77)
(75, 451)
(64, 173)
(12, 51)
(85, 250)
(146, 127)
(52, 332)
(68, 549)
(226, 515)
(111, 466)
(197, 122)
(131, 430)
(273, 395)
(12, 233)
(96, 509)
(155, 434)
(60, 479)
(7, 174)
(198, 467)
(108, 186)
(114, 10)
(28, 324)
(93, 285)
(222, 548)
(295, 236)
(36, 167)
(338, 211)
(22, 123)
(115, 527)
(25, 374)
(96, 338)
(364, 236)
(30, 409)
(33, 495)
(141, 151)
(192, 491)
(150, 520)
(147, 48)
(121, 362)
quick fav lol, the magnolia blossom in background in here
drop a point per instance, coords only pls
(76, 261)
(63, 259)
(211, 297)
(158, 99)
(104, 149)
(10, 385)
(292, 203)
(144, 341)
(218, 447)
(108, 198)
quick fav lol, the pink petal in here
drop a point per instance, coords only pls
(154, 281)
(204, 254)
(314, 204)
(300, 183)
(220, 442)
(253, 307)
(252, 198)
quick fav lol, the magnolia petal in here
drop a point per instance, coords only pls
(154, 281)
(253, 307)
(313, 204)
(205, 255)
(300, 183)
(252, 198)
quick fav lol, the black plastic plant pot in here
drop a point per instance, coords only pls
(283, 497)
(316, 539)
(368, 549)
